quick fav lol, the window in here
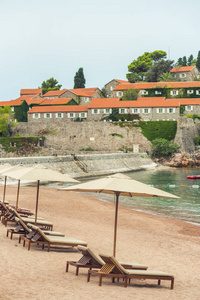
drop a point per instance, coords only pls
(146, 110)
(171, 110)
(135, 110)
(95, 111)
(71, 115)
(47, 116)
(144, 93)
(174, 93)
(174, 75)
(189, 91)
(119, 94)
(160, 110)
(189, 107)
(123, 111)
(111, 88)
(12, 108)
(36, 116)
(59, 115)
(158, 92)
(182, 75)
(82, 115)
(107, 110)
(197, 92)
(87, 99)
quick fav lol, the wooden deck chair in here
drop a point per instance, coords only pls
(4, 209)
(113, 269)
(27, 230)
(40, 221)
(41, 238)
(91, 261)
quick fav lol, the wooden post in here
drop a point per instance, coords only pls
(18, 194)
(115, 226)
(37, 197)
(4, 190)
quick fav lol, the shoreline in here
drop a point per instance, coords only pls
(163, 244)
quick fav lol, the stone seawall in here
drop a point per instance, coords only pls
(82, 166)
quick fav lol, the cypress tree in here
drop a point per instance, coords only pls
(198, 61)
(190, 59)
(79, 79)
(184, 61)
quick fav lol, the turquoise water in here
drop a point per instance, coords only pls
(174, 181)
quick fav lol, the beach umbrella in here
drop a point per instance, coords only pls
(3, 171)
(119, 184)
(38, 173)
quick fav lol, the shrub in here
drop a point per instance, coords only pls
(163, 147)
(197, 140)
(159, 129)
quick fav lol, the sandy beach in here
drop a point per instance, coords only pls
(163, 244)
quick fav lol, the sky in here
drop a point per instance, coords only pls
(40, 39)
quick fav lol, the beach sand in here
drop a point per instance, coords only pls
(163, 244)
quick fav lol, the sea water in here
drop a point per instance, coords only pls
(171, 180)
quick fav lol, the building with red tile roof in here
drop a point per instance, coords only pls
(59, 101)
(54, 94)
(109, 87)
(24, 92)
(187, 73)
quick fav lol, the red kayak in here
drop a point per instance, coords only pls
(193, 177)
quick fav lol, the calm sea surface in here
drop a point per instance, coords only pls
(174, 181)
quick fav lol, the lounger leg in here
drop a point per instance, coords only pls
(24, 243)
(100, 280)
(11, 235)
(125, 282)
(77, 269)
(172, 284)
(67, 266)
(42, 246)
(7, 232)
(159, 282)
(113, 280)
(48, 247)
(20, 239)
(88, 277)
(29, 245)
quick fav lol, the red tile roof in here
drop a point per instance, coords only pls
(150, 98)
(86, 92)
(54, 93)
(153, 85)
(181, 69)
(61, 108)
(189, 101)
(57, 101)
(30, 91)
(122, 81)
(115, 103)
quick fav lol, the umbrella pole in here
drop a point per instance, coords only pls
(115, 227)
(18, 194)
(37, 197)
(4, 190)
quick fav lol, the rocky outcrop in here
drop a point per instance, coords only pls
(180, 160)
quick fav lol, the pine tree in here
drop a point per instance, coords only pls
(184, 61)
(79, 79)
(190, 59)
(198, 61)
(180, 61)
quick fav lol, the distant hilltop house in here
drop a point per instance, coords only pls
(187, 73)
(161, 89)
(109, 87)
(82, 96)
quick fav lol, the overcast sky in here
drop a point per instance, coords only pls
(40, 39)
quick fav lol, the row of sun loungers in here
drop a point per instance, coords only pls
(102, 266)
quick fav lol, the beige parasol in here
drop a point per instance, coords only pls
(119, 184)
(39, 173)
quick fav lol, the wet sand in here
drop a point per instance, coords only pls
(163, 244)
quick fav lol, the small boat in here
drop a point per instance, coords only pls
(193, 177)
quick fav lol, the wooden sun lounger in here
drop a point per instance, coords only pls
(4, 209)
(27, 230)
(40, 221)
(41, 238)
(90, 261)
(113, 269)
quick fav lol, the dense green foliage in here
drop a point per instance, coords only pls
(166, 77)
(20, 145)
(116, 116)
(157, 69)
(194, 116)
(21, 112)
(163, 148)
(130, 94)
(138, 68)
(50, 84)
(7, 121)
(159, 129)
(197, 140)
(198, 61)
(79, 79)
